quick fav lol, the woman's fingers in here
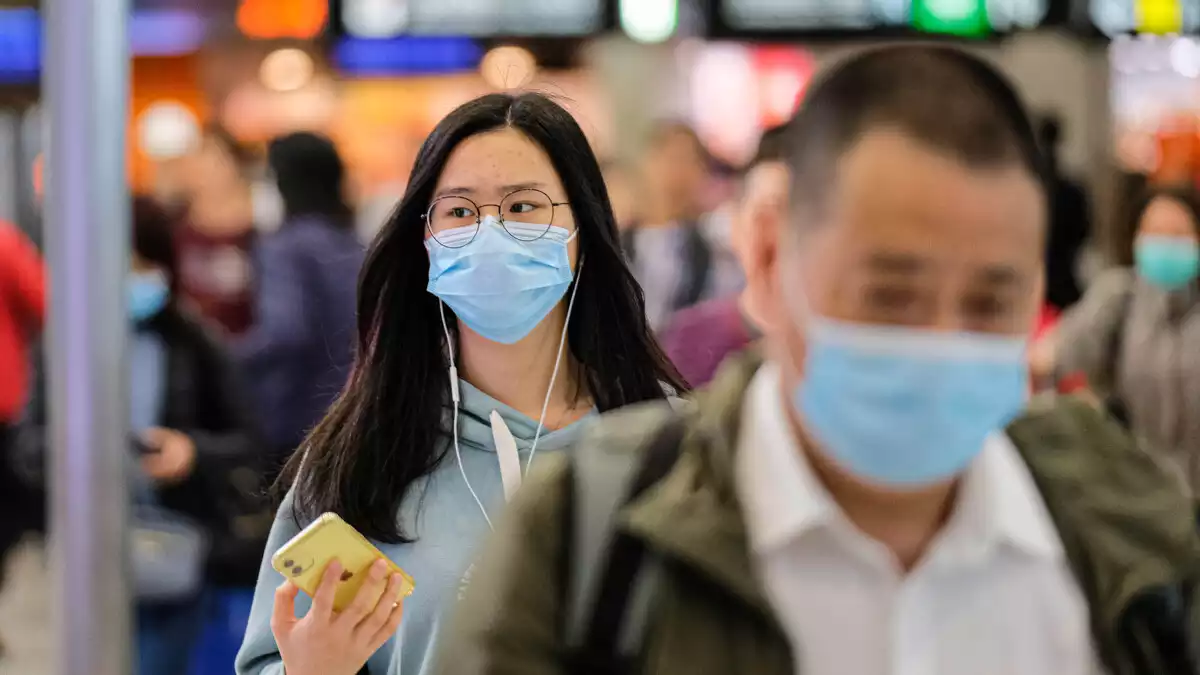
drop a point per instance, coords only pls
(395, 615)
(283, 616)
(323, 601)
(368, 595)
(379, 616)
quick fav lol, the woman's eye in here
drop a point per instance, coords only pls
(523, 207)
(460, 212)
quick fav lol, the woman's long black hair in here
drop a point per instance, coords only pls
(387, 429)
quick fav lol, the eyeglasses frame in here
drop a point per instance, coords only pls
(479, 215)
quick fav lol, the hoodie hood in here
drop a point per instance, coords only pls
(475, 427)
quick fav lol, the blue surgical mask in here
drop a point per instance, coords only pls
(499, 286)
(905, 407)
(1167, 262)
(147, 294)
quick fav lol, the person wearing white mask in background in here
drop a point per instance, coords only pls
(873, 495)
(496, 314)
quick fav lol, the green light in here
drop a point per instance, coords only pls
(967, 18)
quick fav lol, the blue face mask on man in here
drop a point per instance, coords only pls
(905, 407)
(147, 294)
(500, 286)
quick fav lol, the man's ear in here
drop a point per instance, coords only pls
(759, 300)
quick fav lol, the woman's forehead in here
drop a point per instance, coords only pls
(495, 162)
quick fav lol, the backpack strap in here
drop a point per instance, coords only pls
(608, 579)
(697, 255)
(629, 243)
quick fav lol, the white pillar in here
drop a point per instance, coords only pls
(86, 90)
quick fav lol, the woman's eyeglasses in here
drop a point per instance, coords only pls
(526, 215)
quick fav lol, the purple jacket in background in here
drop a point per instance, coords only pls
(299, 352)
(700, 337)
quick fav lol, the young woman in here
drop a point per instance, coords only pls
(495, 313)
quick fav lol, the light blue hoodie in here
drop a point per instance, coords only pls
(448, 526)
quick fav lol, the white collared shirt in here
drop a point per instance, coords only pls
(992, 596)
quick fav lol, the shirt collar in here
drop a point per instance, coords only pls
(999, 503)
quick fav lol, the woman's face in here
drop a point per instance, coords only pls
(1166, 217)
(488, 167)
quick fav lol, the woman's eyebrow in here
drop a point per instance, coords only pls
(446, 192)
(528, 185)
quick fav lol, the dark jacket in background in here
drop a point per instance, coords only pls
(300, 350)
(1070, 226)
(203, 398)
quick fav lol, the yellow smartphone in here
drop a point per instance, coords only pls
(303, 559)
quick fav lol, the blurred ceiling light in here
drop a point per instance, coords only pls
(375, 18)
(1185, 57)
(508, 67)
(286, 69)
(166, 130)
(649, 20)
(274, 19)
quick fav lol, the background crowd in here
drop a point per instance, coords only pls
(246, 253)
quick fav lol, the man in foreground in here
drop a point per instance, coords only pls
(871, 497)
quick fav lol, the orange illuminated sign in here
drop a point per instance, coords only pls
(273, 19)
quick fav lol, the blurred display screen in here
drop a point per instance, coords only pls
(1159, 17)
(480, 18)
(957, 17)
(151, 33)
(20, 46)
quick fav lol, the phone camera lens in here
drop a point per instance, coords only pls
(288, 563)
(297, 571)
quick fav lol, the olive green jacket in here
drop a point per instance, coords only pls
(1125, 523)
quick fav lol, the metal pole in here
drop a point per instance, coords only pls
(86, 90)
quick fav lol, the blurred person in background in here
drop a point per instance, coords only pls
(699, 338)
(1070, 222)
(502, 269)
(673, 250)
(188, 412)
(22, 315)
(216, 238)
(301, 346)
(1135, 336)
(859, 503)
(622, 193)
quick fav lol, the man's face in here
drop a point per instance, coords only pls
(908, 237)
(676, 168)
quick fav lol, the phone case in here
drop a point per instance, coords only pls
(303, 559)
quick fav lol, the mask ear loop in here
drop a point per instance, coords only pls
(562, 343)
(456, 397)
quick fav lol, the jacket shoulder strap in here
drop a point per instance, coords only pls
(609, 577)
(1128, 530)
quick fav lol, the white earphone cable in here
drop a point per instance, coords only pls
(454, 395)
(562, 343)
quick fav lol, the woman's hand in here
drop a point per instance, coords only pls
(326, 642)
